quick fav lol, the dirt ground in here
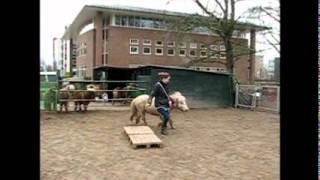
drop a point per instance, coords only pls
(206, 144)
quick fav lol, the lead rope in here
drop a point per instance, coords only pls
(167, 95)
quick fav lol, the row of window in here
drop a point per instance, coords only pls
(155, 23)
(81, 50)
(172, 52)
(141, 22)
(147, 42)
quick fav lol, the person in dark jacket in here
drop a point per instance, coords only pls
(162, 100)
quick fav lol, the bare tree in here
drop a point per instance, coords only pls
(220, 20)
(272, 14)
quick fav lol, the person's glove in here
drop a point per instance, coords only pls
(171, 102)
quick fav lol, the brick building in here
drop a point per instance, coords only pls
(128, 37)
(277, 69)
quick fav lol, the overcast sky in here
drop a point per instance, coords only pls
(56, 14)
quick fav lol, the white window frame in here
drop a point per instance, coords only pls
(185, 52)
(193, 45)
(213, 47)
(134, 52)
(223, 57)
(148, 44)
(203, 48)
(158, 54)
(146, 53)
(205, 52)
(214, 56)
(190, 53)
(184, 45)
(174, 52)
(134, 43)
(156, 43)
(222, 48)
(173, 44)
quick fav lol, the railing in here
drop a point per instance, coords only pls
(245, 96)
(103, 96)
(259, 97)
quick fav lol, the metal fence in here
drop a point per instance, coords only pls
(269, 98)
(50, 99)
(258, 97)
(245, 96)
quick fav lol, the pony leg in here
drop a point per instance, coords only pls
(66, 106)
(144, 117)
(138, 119)
(132, 116)
(171, 124)
(85, 107)
(75, 106)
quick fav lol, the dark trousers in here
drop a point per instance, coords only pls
(165, 116)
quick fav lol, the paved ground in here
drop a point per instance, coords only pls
(207, 144)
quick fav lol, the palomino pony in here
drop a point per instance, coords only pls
(139, 106)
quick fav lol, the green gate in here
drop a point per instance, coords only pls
(48, 96)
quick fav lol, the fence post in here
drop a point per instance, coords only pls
(55, 103)
(254, 103)
(278, 99)
(237, 91)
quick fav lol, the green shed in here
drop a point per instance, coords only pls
(202, 89)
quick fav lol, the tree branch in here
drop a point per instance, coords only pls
(205, 9)
(224, 10)
(270, 15)
(273, 45)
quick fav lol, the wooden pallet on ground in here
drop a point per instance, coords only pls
(142, 137)
(138, 130)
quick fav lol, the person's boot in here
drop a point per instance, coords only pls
(164, 131)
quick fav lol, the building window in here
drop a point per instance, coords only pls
(223, 55)
(182, 45)
(147, 50)
(214, 47)
(82, 49)
(147, 42)
(213, 51)
(137, 21)
(203, 46)
(131, 21)
(170, 52)
(182, 52)
(124, 21)
(118, 20)
(134, 49)
(156, 23)
(146, 23)
(193, 45)
(159, 51)
(203, 53)
(159, 43)
(222, 48)
(213, 54)
(134, 41)
(192, 53)
(171, 43)
(141, 22)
